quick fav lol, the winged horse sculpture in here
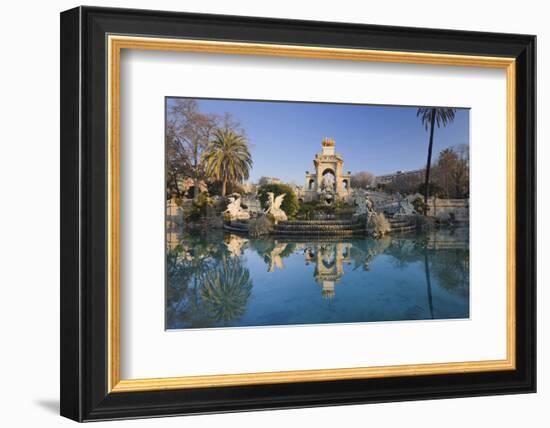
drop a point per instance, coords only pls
(234, 210)
(274, 207)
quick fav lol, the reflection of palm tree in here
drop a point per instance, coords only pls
(226, 290)
(186, 266)
(428, 283)
(227, 157)
(430, 117)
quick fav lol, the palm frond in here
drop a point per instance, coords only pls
(227, 156)
(443, 116)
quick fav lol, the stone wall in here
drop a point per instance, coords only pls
(442, 208)
(252, 204)
(174, 214)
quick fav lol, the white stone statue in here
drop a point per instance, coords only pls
(364, 205)
(273, 209)
(404, 208)
(369, 205)
(327, 183)
(234, 210)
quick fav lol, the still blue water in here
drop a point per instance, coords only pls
(220, 279)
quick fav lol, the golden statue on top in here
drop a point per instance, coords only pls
(328, 142)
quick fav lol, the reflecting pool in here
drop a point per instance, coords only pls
(219, 279)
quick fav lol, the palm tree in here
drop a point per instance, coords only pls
(227, 157)
(430, 117)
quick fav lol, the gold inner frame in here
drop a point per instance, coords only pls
(116, 43)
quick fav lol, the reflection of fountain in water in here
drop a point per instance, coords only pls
(196, 261)
(235, 244)
(329, 261)
(173, 224)
(329, 258)
(274, 258)
(272, 251)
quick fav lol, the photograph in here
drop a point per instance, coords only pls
(269, 210)
(288, 213)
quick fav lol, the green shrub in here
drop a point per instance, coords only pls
(290, 203)
(308, 209)
(215, 188)
(178, 200)
(260, 226)
(419, 205)
(199, 209)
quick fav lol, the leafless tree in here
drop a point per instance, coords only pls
(362, 180)
(188, 132)
(430, 117)
(451, 172)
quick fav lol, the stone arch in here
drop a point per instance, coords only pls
(311, 184)
(329, 171)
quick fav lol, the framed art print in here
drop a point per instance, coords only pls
(262, 213)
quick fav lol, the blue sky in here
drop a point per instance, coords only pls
(285, 136)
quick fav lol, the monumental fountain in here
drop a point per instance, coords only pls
(326, 186)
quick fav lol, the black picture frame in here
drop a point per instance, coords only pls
(84, 389)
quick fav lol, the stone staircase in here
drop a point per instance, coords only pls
(238, 226)
(402, 224)
(318, 228)
(322, 228)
